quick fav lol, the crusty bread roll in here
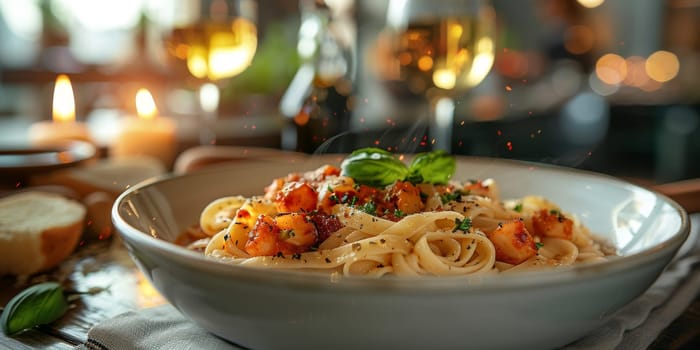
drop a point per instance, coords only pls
(38, 230)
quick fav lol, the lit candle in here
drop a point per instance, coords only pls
(63, 127)
(147, 134)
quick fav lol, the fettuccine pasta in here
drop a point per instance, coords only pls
(324, 221)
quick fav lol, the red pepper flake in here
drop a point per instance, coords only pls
(376, 142)
(499, 133)
(18, 184)
(509, 145)
(508, 88)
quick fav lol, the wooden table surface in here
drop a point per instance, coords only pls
(103, 267)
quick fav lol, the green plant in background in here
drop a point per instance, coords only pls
(275, 63)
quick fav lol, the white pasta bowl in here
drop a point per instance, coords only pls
(271, 309)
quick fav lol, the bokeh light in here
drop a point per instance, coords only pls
(636, 73)
(591, 3)
(483, 61)
(662, 66)
(611, 69)
(444, 78)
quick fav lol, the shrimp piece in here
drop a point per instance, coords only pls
(405, 196)
(322, 173)
(296, 197)
(297, 229)
(285, 234)
(272, 189)
(484, 188)
(552, 223)
(244, 220)
(512, 242)
(336, 191)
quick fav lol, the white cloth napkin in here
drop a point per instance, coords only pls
(635, 326)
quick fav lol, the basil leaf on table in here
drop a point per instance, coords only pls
(436, 167)
(39, 304)
(374, 167)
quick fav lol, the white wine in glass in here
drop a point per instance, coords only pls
(213, 41)
(437, 49)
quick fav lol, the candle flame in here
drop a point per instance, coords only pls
(63, 100)
(145, 106)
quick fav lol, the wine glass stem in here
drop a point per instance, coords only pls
(441, 122)
(209, 101)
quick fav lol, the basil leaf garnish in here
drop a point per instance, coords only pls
(39, 304)
(378, 168)
(436, 167)
(373, 167)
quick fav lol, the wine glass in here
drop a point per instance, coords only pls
(211, 41)
(437, 49)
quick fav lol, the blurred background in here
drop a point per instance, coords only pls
(604, 85)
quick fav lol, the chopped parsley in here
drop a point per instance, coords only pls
(451, 196)
(539, 245)
(554, 212)
(370, 208)
(518, 207)
(462, 225)
(399, 213)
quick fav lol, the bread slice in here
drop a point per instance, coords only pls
(38, 230)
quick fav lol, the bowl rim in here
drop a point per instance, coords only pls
(580, 273)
